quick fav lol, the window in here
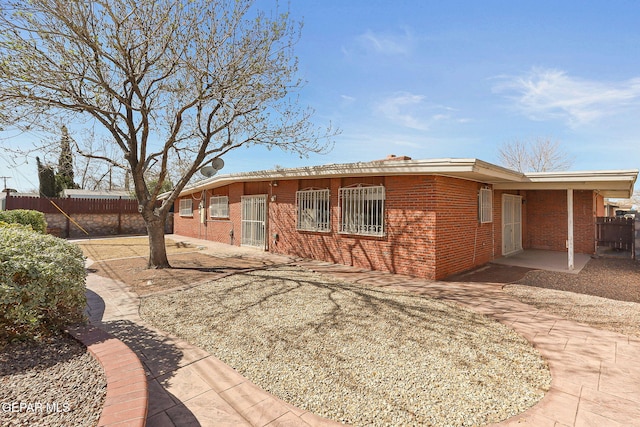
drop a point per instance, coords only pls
(362, 210)
(219, 207)
(186, 207)
(313, 210)
(485, 205)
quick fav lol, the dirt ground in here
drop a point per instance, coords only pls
(125, 259)
(494, 273)
(126, 247)
(612, 278)
(189, 270)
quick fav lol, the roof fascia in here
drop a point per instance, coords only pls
(610, 183)
(460, 168)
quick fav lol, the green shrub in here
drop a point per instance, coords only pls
(16, 225)
(25, 217)
(42, 283)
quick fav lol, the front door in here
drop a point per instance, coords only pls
(254, 219)
(511, 224)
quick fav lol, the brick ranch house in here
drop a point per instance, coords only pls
(429, 218)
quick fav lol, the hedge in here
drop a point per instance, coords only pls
(42, 283)
(25, 217)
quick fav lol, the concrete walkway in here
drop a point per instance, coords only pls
(595, 373)
(544, 260)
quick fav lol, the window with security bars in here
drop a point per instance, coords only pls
(362, 210)
(485, 205)
(186, 207)
(219, 207)
(313, 210)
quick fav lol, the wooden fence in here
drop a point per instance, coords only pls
(72, 205)
(615, 232)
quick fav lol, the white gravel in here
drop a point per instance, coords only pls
(52, 383)
(358, 355)
(622, 317)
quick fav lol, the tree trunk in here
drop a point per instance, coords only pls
(157, 248)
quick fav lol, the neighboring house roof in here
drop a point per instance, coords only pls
(3, 195)
(612, 183)
(90, 194)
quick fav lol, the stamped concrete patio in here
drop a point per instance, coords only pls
(595, 373)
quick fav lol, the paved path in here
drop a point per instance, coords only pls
(595, 373)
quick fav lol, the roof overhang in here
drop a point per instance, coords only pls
(611, 183)
(608, 183)
(470, 169)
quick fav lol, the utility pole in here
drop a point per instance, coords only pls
(5, 178)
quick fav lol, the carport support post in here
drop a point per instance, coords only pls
(570, 263)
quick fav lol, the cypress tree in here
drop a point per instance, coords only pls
(47, 178)
(64, 177)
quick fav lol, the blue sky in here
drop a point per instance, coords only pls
(433, 79)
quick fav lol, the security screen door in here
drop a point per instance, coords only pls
(254, 218)
(511, 224)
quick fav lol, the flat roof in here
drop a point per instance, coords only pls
(609, 183)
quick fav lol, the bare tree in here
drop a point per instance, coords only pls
(92, 170)
(167, 79)
(539, 155)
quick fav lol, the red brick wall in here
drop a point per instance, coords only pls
(600, 211)
(462, 241)
(413, 242)
(218, 229)
(432, 227)
(407, 247)
(187, 226)
(547, 215)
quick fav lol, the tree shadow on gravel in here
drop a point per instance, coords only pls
(348, 304)
(252, 318)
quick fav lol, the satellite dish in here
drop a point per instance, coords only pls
(217, 163)
(208, 171)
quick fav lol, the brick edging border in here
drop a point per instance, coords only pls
(127, 393)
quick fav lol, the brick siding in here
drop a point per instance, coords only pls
(431, 224)
(548, 211)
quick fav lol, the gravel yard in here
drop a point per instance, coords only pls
(52, 383)
(605, 294)
(354, 354)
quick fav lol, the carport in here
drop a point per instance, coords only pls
(604, 184)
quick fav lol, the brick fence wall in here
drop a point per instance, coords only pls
(88, 217)
(99, 224)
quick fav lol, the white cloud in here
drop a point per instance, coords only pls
(544, 94)
(346, 100)
(383, 43)
(403, 109)
(411, 111)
